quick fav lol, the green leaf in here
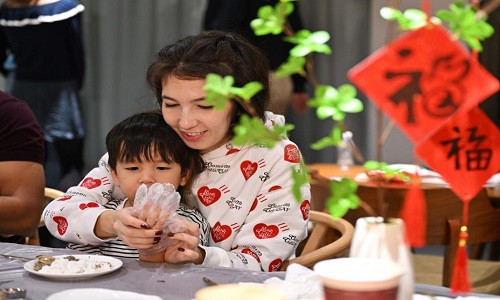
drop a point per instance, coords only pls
(334, 139)
(389, 13)
(252, 130)
(248, 91)
(351, 106)
(465, 24)
(319, 37)
(300, 178)
(343, 197)
(409, 20)
(371, 165)
(294, 65)
(218, 90)
(308, 42)
(269, 21)
(332, 103)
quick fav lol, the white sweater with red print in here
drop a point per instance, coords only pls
(245, 193)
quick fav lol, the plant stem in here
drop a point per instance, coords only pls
(488, 8)
(381, 203)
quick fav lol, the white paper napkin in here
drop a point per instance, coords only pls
(300, 283)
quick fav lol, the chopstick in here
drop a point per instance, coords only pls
(210, 282)
(17, 257)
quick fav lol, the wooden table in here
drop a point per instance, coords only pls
(333, 170)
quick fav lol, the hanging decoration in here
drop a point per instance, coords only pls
(430, 86)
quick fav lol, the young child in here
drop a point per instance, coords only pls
(143, 149)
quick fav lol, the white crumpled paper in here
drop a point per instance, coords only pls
(300, 283)
(157, 207)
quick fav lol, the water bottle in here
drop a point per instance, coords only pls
(344, 154)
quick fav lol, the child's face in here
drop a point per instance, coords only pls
(129, 176)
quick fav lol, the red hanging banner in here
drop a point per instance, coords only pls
(421, 79)
(465, 151)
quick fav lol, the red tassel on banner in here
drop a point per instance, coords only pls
(460, 283)
(414, 214)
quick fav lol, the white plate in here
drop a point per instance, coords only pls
(99, 294)
(115, 265)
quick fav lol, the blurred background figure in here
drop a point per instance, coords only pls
(44, 40)
(22, 180)
(235, 16)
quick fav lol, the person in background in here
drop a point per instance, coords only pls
(22, 181)
(235, 16)
(45, 40)
(245, 191)
(142, 149)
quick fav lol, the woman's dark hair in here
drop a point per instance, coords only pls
(212, 51)
(144, 134)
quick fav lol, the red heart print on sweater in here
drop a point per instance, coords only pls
(304, 209)
(91, 183)
(254, 204)
(220, 232)
(233, 150)
(248, 168)
(62, 224)
(208, 196)
(250, 252)
(64, 198)
(292, 154)
(263, 231)
(88, 205)
(275, 264)
(274, 188)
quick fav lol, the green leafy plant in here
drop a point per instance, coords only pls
(467, 24)
(463, 20)
(409, 19)
(329, 102)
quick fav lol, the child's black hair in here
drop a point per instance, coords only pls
(145, 134)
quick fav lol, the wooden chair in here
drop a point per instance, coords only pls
(444, 212)
(328, 238)
(50, 194)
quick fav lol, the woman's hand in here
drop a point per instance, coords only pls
(131, 230)
(184, 246)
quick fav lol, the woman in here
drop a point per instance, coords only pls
(45, 39)
(244, 192)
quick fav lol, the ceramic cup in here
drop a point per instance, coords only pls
(353, 278)
(240, 292)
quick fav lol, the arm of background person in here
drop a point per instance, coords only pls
(22, 198)
(22, 179)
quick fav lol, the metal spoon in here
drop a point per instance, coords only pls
(45, 259)
(12, 293)
(16, 257)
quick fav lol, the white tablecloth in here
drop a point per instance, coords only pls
(164, 280)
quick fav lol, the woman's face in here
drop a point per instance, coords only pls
(199, 124)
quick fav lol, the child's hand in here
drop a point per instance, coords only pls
(132, 231)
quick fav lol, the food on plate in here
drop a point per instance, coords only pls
(43, 260)
(70, 265)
